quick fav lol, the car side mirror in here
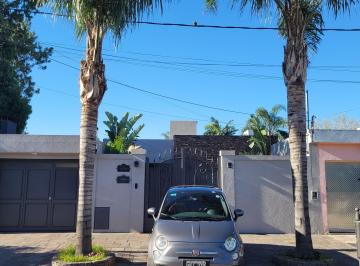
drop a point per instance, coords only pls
(238, 213)
(152, 212)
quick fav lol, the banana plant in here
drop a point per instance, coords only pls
(121, 132)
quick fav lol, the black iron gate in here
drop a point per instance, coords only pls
(191, 167)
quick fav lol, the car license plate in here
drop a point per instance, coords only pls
(195, 263)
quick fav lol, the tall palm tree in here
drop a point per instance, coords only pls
(94, 19)
(301, 24)
(215, 129)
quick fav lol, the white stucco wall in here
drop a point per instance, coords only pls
(183, 128)
(126, 202)
(262, 187)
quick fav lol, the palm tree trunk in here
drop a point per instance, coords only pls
(92, 90)
(297, 142)
(88, 129)
(295, 70)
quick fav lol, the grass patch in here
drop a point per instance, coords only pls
(68, 254)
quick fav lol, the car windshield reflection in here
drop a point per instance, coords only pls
(194, 206)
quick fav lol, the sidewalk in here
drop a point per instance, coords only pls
(38, 248)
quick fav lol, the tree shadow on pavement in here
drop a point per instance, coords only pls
(261, 254)
(19, 256)
(126, 262)
(130, 257)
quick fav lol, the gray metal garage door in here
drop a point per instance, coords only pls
(343, 195)
(38, 195)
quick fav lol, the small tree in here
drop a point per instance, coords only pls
(20, 52)
(121, 133)
(258, 142)
(215, 129)
(341, 122)
(266, 125)
(166, 135)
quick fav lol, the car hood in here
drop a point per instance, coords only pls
(195, 231)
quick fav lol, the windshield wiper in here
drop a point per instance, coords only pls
(164, 215)
(199, 219)
(213, 219)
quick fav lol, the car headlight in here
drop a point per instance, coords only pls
(161, 242)
(230, 243)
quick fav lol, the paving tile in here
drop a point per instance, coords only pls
(38, 248)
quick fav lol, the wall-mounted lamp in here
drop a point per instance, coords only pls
(136, 163)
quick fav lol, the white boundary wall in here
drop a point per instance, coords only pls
(125, 200)
(262, 187)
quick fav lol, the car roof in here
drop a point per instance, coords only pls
(194, 188)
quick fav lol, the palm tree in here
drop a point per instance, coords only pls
(166, 135)
(94, 19)
(122, 134)
(215, 129)
(259, 139)
(271, 120)
(265, 125)
(301, 24)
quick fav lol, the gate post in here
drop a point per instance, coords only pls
(227, 176)
(357, 229)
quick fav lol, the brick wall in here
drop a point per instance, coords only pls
(211, 145)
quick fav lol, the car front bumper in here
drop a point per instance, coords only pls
(177, 253)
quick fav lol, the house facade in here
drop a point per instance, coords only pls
(335, 169)
(39, 186)
(39, 182)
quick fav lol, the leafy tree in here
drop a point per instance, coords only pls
(259, 140)
(94, 19)
(341, 122)
(215, 129)
(265, 125)
(19, 53)
(166, 135)
(121, 132)
(301, 24)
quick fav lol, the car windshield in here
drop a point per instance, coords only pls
(194, 206)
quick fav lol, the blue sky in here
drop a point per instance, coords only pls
(56, 110)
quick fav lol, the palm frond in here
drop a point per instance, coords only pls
(277, 108)
(106, 15)
(307, 17)
(256, 6)
(338, 6)
(211, 5)
(215, 129)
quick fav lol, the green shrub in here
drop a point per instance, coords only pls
(68, 254)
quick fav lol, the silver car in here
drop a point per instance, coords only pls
(194, 227)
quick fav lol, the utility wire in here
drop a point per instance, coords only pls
(135, 109)
(225, 62)
(172, 103)
(147, 111)
(196, 25)
(256, 76)
(336, 68)
(161, 95)
(171, 98)
(188, 69)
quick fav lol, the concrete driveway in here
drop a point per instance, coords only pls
(38, 248)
